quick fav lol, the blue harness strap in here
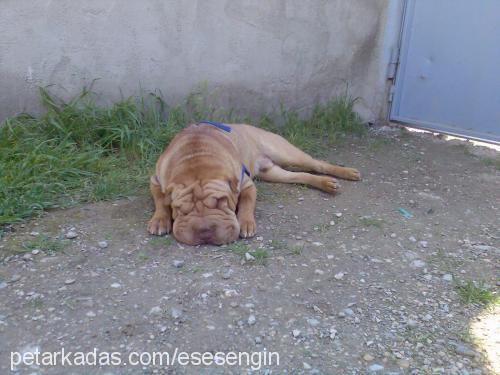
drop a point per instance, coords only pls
(218, 125)
(226, 128)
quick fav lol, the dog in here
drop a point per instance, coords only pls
(203, 189)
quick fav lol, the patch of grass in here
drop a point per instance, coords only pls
(79, 151)
(241, 249)
(36, 303)
(164, 241)
(475, 293)
(490, 162)
(196, 269)
(296, 250)
(278, 244)
(45, 244)
(378, 143)
(368, 221)
(142, 257)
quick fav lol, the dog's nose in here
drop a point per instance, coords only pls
(206, 233)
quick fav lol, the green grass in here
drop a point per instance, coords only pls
(490, 162)
(163, 241)
(371, 222)
(475, 293)
(79, 151)
(45, 244)
(241, 249)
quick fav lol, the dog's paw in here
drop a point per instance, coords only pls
(247, 227)
(352, 174)
(159, 225)
(329, 185)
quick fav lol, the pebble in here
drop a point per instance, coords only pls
(34, 234)
(338, 214)
(403, 363)
(448, 277)
(306, 365)
(368, 357)
(296, 333)
(116, 285)
(317, 244)
(71, 235)
(251, 320)
(69, 281)
(35, 252)
(178, 263)
(27, 257)
(91, 314)
(427, 318)
(249, 257)
(3, 284)
(319, 272)
(15, 278)
(462, 349)
(102, 244)
(339, 276)
(417, 263)
(155, 310)
(348, 312)
(176, 313)
(257, 340)
(375, 368)
(412, 239)
(332, 223)
(412, 323)
(393, 235)
(423, 244)
(313, 322)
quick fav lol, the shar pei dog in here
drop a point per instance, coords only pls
(203, 189)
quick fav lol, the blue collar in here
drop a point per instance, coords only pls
(227, 129)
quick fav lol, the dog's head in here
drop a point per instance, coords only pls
(204, 211)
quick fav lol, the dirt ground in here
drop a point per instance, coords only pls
(338, 285)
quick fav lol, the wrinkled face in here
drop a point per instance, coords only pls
(204, 213)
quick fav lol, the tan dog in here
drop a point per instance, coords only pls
(203, 183)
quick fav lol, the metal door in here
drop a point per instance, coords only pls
(448, 78)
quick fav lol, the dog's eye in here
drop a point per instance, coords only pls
(210, 202)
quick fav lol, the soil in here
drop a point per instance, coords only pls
(339, 285)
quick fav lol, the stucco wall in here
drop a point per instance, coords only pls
(256, 53)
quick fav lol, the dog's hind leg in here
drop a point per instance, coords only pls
(286, 155)
(161, 222)
(275, 173)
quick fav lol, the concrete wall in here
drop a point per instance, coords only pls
(255, 53)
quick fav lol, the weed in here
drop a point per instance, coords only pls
(164, 241)
(260, 256)
(490, 162)
(142, 257)
(36, 303)
(196, 269)
(44, 243)
(278, 244)
(475, 293)
(368, 221)
(297, 250)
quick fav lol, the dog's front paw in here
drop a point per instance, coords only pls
(159, 225)
(247, 227)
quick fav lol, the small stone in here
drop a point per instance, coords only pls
(35, 252)
(207, 275)
(423, 244)
(259, 238)
(462, 349)
(338, 214)
(332, 223)
(258, 340)
(333, 333)
(116, 285)
(296, 333)
(448, 277)
(375, 368)
(34, 234)
(330, 256)
(91, 314)
(15, 278)
(339, 276)
(249, 257)
(251, 320)
(3, 284)
(348, 312)
(412, 239)
(417, 263)
(102, 244)
(403, 363)
(71, 235)
(368, 357)
(393, 235)
(69, 281)
(155, 310)
(341, 314)
(27, 257)
(317, 244)
(319, 272)
(313, 322)
(227, 275)
(234, 304)
(178, 263)
(427, 318)
(176, 313)
(306, 366)
(412, 323)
